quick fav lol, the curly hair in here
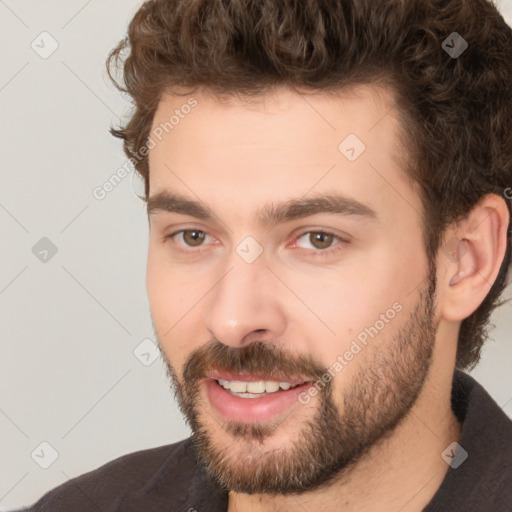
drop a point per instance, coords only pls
(455, 110)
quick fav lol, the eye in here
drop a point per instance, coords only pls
(190, 237)
(321, 241)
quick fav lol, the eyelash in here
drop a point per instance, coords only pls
(316, 252)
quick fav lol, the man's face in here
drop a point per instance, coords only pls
(337, 306)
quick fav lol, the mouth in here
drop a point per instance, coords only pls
(255, 389)
(252, 398)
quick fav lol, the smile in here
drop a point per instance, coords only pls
(252, 399)
(254, 389)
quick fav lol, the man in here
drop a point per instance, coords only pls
(328, 192)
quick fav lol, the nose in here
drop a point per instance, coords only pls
(246, 305)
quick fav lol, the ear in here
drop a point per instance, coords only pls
(471, 257)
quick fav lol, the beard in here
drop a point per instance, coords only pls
(379, 396)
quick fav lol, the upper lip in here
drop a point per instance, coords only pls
(252, 377)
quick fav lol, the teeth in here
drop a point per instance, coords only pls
(245, 395)
(238, 387)
(271, 387)
(254, 388)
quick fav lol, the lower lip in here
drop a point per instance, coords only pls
(252, 410)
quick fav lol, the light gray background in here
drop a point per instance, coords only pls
(69, 327)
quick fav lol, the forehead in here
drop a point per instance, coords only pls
(357, 109)
(284, 142)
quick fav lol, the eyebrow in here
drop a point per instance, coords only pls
(271, 214)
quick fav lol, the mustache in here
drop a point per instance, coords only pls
(263, 358)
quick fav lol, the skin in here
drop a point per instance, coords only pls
(235, 157)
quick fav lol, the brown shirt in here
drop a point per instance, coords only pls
(168, 478)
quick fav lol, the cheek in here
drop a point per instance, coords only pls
(166, 284)
(174, 301)
(364, 302)
(157, 287)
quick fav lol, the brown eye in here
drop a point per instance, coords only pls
(320, 243)
(193, 237)
(190, 241)
(321, 240)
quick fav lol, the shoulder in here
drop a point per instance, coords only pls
(113, 483)
(482, 479)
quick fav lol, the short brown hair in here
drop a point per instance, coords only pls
(456, 110)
